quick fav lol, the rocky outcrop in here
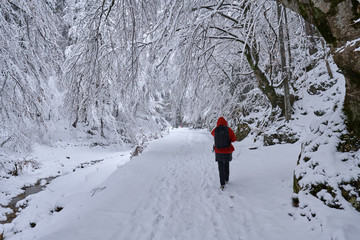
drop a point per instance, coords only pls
(242, 131)
(339, 24)
(284, 135)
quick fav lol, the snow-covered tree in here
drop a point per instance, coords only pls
(217, 39)
(107, 69)
(30, 62)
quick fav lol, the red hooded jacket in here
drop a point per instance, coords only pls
(222, 121)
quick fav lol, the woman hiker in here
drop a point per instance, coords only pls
(223, 136)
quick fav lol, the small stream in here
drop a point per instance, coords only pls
(37, 187)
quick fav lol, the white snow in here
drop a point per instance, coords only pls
(171, 191)
(350, 44)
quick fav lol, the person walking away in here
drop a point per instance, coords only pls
(223, 136)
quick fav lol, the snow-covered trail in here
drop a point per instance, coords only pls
(183, 202)
(171, 191)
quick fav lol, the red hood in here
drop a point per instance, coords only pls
(221, 121)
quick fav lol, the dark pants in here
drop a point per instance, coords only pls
(223, 163)
(223, 171)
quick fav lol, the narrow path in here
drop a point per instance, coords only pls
(171, 191)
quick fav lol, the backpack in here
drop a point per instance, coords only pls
(222, 138)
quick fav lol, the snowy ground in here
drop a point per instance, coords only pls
(171, 191)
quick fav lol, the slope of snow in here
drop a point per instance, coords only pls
(171, 191)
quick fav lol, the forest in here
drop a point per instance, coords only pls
(122, 72)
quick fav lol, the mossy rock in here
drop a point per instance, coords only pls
(350, 196)
(242, 131)
(315, 189)
(279, 138)
(351, 110)
(310, 12)
(348, 143)
(352, 199)
(316, 89)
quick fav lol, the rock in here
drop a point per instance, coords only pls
(348, 143)
(276, 138)
(316, 89)
(242, 131)
(350, 190)
(282, 135)
(319, 113)
(335, 20)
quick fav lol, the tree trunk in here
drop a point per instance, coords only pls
(290, 68)
(326, 55)
(284, 73)
(263, 82)
(309, 30)
(102, 128)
